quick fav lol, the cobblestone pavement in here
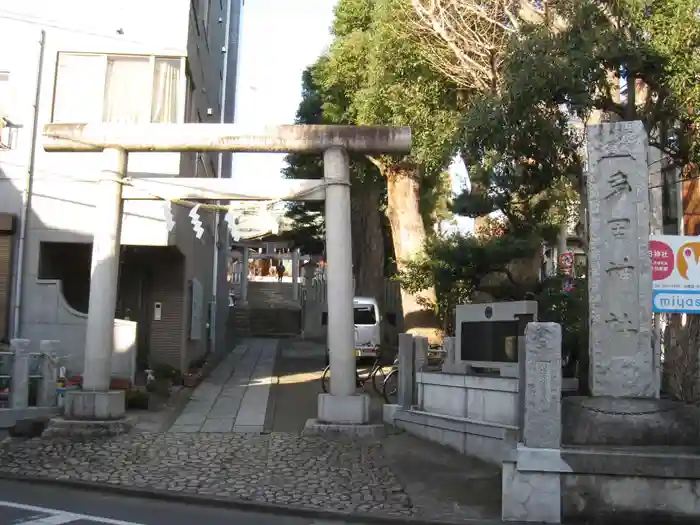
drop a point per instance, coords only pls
(219, 447)
(315, 473)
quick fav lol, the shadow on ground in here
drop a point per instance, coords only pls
(294, 396)
(448, 483)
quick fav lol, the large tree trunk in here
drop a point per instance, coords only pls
(368, 241)
(408, 235)
(681, 365)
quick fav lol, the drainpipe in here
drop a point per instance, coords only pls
(220, 164)
(27, 195)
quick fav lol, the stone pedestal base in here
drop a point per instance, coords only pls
(343, 410)
(533, 497)
(95, 406)
(389, 413)
(618, 421)
(61, 427)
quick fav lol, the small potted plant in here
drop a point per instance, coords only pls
(160, 380)
(194, 373)
(191, 379)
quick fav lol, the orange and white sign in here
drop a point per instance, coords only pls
(566, 263)
(675, 267)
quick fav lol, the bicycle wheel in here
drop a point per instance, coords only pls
(326, 380)
(378, 378)
(390, 388)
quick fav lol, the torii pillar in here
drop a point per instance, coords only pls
(95, 402)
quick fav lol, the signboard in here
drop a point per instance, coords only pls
(566, 263)
(675, 273)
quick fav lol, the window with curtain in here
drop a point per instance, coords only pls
(79, 91)
(166, 90)
(127, 80)
(121, 89)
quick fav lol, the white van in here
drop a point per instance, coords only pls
(368, 326)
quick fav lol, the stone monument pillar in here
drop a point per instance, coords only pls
(531, 481)
(245, 261)
(19, 387)
(622, 360)
(295, 274)
(625, 408)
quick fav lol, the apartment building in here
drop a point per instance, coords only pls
(131, 61)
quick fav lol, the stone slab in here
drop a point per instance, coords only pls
(628, 500)
(193, 418)
(81, 428)
(186, 429)
(492, 443)
(254, 429)
(389, 413)
(455, 368)
(541, 425)
(611, 421)
(540, 460)
(315, 428)
(227, 405)
(235, 396)
(253, 406)
(530, 497)
(407, 372)
(622, 362)
(10, 417)
(343, 409)
(217, 425)
(98, 406)
(645, 462)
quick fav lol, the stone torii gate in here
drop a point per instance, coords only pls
(95, 401)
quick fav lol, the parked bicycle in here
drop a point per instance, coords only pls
(375, 375)
(390, 386)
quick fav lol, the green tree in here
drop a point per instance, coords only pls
(306, 218)
(521, 147)
(375, 77)
(308, 229)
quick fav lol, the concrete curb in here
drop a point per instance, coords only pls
(238, 504)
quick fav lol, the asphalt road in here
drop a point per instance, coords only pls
(35, 504)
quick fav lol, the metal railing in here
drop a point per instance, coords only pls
(19, 368)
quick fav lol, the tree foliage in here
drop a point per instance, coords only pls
(458, 264)
(307, 229)
(369, 257)
(466, 40)
(533, 76)
(371, 76)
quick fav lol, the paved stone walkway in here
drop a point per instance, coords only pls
(234, 397)
(397, 476)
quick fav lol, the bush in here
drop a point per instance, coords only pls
(564, 300)
(136, 400)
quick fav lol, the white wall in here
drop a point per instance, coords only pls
(62, 194)
(62, 191)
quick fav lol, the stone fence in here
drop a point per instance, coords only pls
(514, 422)
(21, 366)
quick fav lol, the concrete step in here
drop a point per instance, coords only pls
(265, 321)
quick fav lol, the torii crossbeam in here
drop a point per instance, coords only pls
(342, 405)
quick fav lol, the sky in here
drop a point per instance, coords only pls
(279, 39)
